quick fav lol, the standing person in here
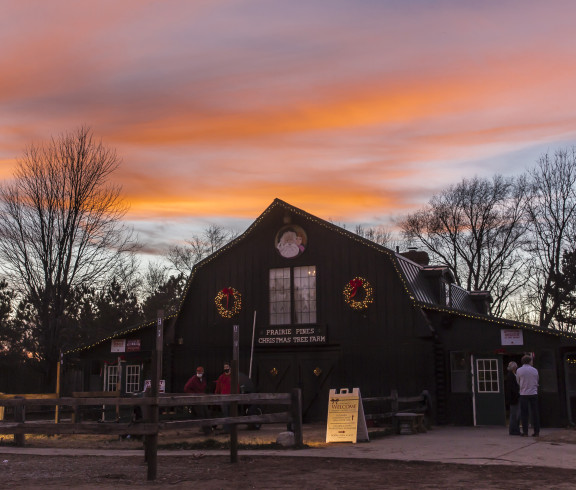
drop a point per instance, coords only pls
(513, 395)
(527, 377)
(224, 387)
(197, 385)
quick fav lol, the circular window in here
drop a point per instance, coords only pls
(291, 241)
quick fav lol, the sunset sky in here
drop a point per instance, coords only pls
(355, 110)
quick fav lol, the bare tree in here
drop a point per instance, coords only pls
(61, 228)
(127, 272)
(183, 258)
(377, 234)
(155, 276)
(477, 228)
(552, 214)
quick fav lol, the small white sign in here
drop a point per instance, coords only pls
(118, 345)
(512, 336)
(133, 345)
(161, 385)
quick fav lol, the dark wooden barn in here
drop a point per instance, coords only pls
(319, 307)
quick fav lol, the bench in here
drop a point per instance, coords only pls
(410, 423)
(406, 414)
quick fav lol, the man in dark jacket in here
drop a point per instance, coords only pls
(513, 395)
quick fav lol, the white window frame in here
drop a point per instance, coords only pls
(304, 280)
(487, 376)
(133, 374)
(111, 377)
(292, 295)
(280, 292)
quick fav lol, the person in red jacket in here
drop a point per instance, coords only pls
(224, 387)
(197, 385)
(223, 384)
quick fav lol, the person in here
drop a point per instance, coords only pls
(197, 385)
(527, 377)
(513, 395)
(224, 383)
(224, 387)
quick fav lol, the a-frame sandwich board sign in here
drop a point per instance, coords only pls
(346, 420)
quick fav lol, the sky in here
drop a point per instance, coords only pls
(356, 111)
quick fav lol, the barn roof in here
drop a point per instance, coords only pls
(421, 282)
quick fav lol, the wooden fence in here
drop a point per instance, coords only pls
(150, 425)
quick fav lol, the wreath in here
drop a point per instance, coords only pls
(358, 294)
(228, 302)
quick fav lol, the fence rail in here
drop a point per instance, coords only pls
(150, 407)
(167, 400)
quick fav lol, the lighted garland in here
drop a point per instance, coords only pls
(353, 288)
(228, 302)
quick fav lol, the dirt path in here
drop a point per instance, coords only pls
(216, 472)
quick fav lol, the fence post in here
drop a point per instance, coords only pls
(394, 402)
(57, 408)
(20, 417)
(234, 413)
(151, 448)
(296, 409)
(395, 407)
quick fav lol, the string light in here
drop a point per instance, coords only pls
(116, 335)
(354, 237)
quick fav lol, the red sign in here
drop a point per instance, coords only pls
(133, 345)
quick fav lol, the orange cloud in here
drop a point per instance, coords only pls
(329, 198)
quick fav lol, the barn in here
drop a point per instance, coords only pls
(318, 307)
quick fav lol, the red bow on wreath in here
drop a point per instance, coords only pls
(227, 292)
(355, 284)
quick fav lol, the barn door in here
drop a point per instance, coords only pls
(311, 372)
(315, 374)
(276, 374)
(488, 390)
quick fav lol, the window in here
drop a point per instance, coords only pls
(487, 376)
(459, 370)
(111, 378)
(293, 295)
(132, 379)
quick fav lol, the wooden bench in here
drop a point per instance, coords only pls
(405, 414)
(409, 423)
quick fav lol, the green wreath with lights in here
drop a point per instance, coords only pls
(358, 294)
(228, 302)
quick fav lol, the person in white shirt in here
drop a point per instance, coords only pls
(527, 377)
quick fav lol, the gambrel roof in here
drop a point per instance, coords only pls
(424, 284)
